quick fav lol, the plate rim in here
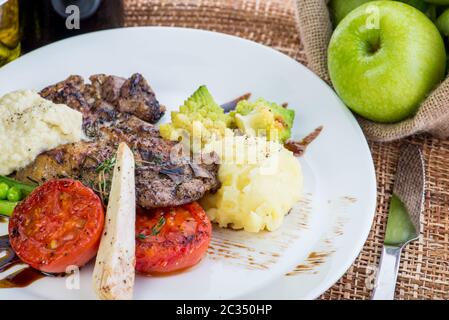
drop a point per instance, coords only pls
(339, 272)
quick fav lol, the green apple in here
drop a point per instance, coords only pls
(429, 9)
(440, 2)
(418, 4)
(340, 8)
(435, 8)
(443, 23)
(432, 12)
(384, 58)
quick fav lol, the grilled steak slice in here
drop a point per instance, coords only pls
(136, 97)
(108, 86)
(69, 92)
(164, 177)
(133, 95)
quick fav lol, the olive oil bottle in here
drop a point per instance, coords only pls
(9, 31)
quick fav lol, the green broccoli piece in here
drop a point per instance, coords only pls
(199, 114)
(264, 118)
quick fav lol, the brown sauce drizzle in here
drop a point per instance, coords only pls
(20, 278)
(299, 147)
(231, 105)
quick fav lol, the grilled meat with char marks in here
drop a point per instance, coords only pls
(114, 110)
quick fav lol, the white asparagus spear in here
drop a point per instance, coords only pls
(113, 276)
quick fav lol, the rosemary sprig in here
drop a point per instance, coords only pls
(103, 169)
(157, 158)
(107, 165)
(155, 230)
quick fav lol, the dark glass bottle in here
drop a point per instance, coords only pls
(46, 21)
(9, 31)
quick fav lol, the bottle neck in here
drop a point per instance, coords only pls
(86, 8)
(42, 24)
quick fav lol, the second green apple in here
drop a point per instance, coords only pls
(340, 8)
(384, 58)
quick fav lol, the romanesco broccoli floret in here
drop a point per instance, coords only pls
(199, 118)
(263, 118)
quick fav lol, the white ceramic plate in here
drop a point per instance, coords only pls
(331, 224)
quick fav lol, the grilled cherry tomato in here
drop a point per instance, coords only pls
(58, 225)
(171, 239)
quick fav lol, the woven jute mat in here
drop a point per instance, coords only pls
(424, 270)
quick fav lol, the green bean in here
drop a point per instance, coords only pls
(26, 189)
(14, 194)
(3, 190)
(7, 208)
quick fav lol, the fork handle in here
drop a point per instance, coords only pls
(387, 274)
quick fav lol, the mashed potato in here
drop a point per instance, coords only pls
(30, 125)
(261, 182)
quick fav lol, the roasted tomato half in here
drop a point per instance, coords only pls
(58, 225)
(171, 239)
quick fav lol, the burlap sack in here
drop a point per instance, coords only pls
(316, 29)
